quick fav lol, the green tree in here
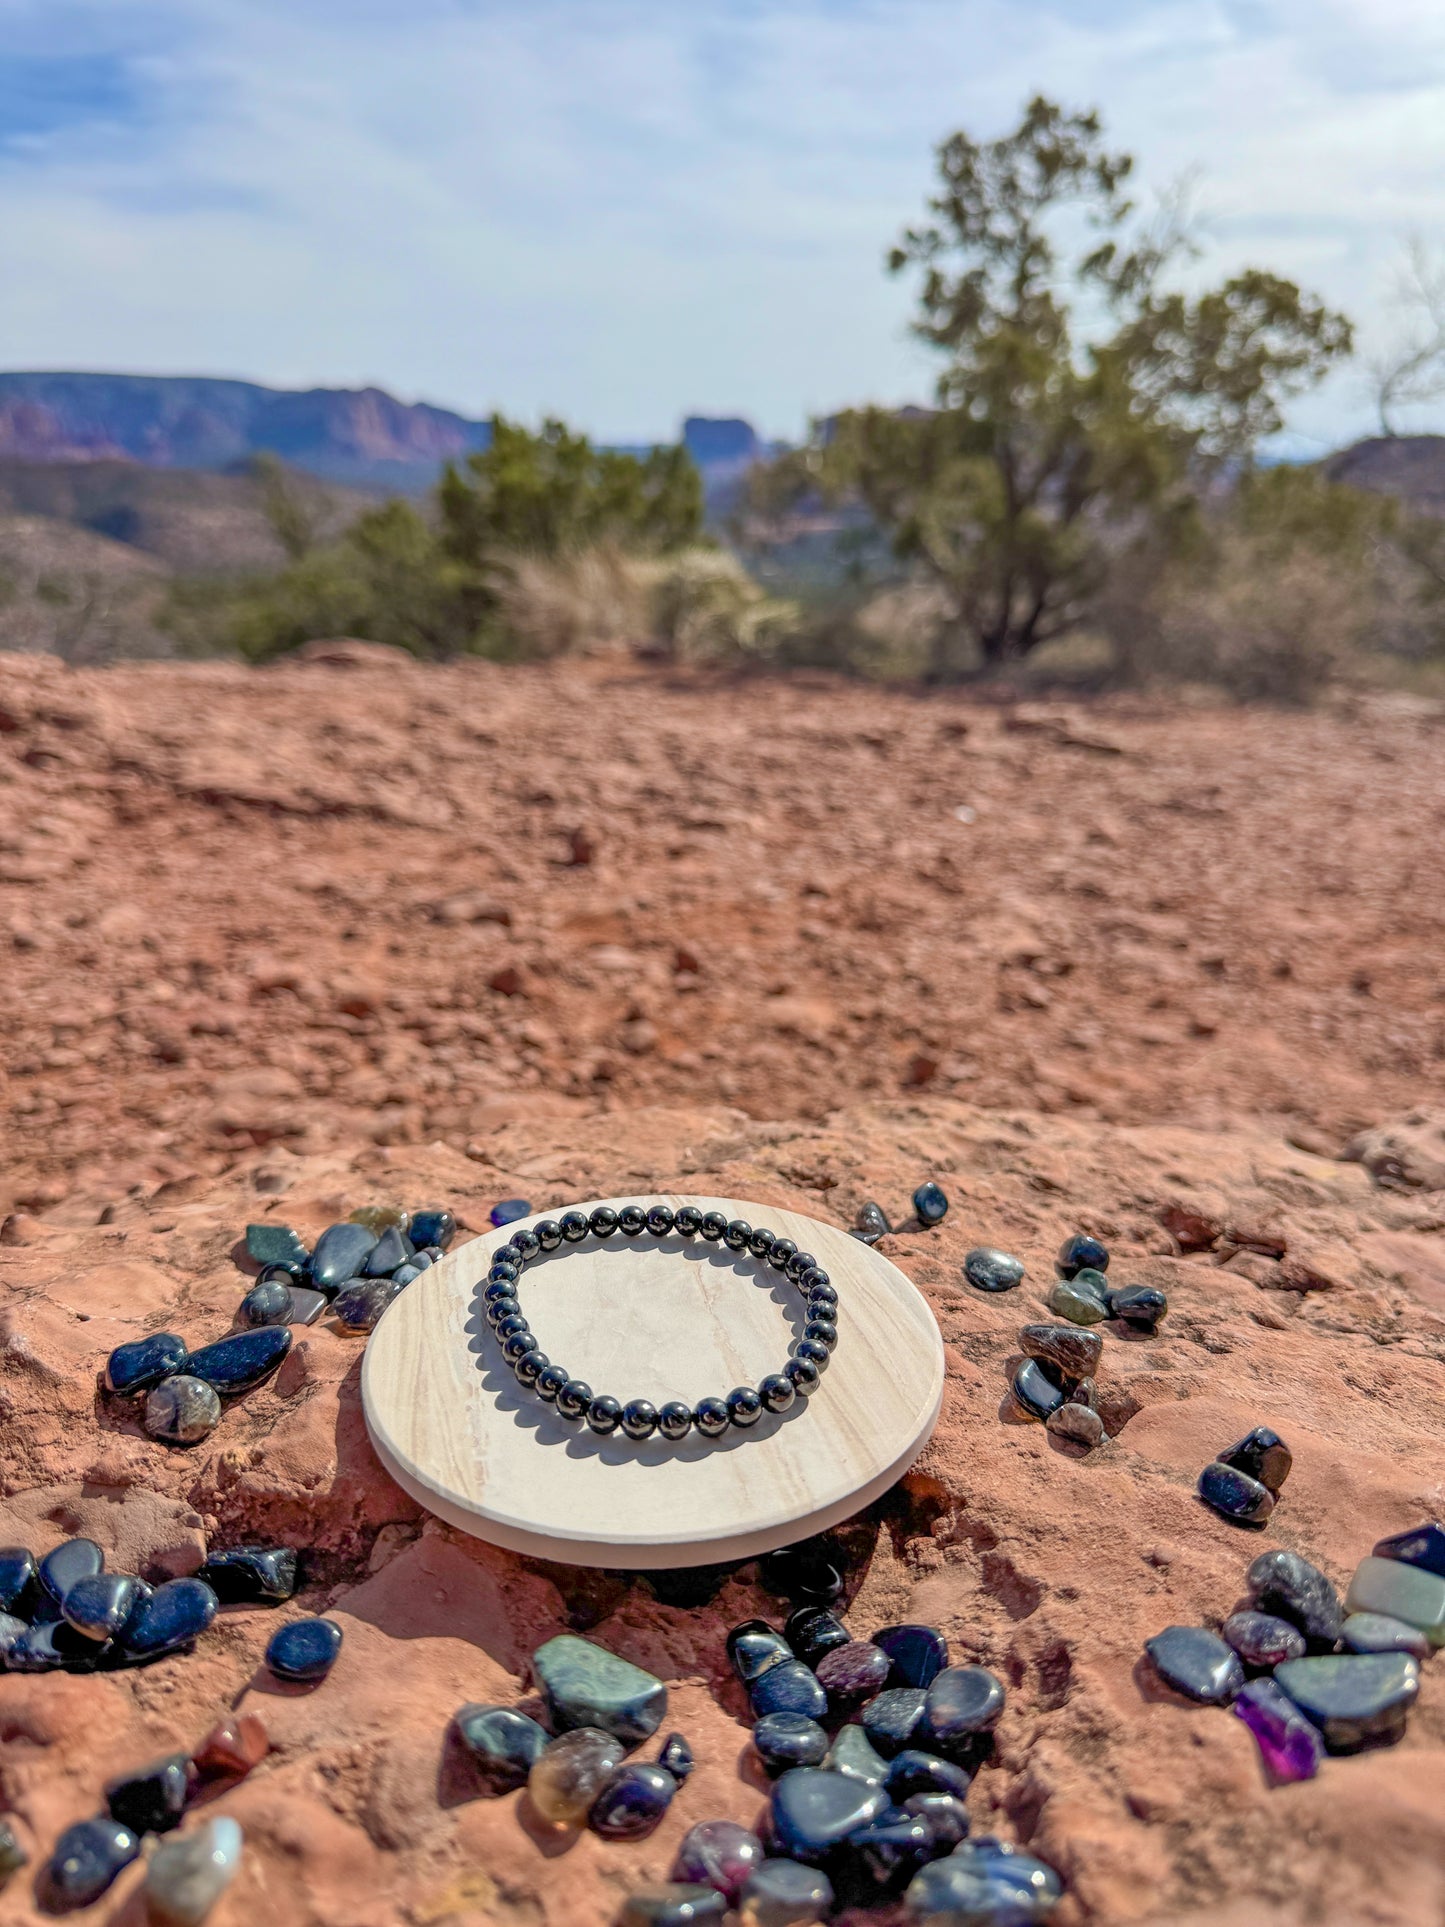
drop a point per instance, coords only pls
(1083, 407)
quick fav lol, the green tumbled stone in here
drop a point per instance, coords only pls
(1353, 1698)
(381, 1217)
(1081, 1299)
(585, 1685)
(1401, 1592)
(277, 1244)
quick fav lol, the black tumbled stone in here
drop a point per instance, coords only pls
(243, 1360)
(341, 1253)
(871, 1224)
(789, 1687)
(72, 1559)
(359, 1305)
(304, 1650)
(1422, 1546)
(174, 1615)
(1039, 1387)
(1197, 1663)
(392, 1248)
(812, 1631)
(1070, 1349)
(1284, 1583)
(892, 1720)
(241, 1574)
(1263, 1454)
(676, 1756)
(87, 1858)
(141, 1363)
(919, 1653)
(152, 1800)
(1141, 1306)
(786, 1740)
(631, 1801)
(989, 1270)
(18, 1578)
(1235, 1494)
(1082, 1253)
(814, 1811)
(930, 1203)
(278, 1245)
(808, 1574)
(503, 1744)
(434, 1226)
(962, 1702)
(755, 1648)
(100, 1605)
(265, 1304)
(913, 1771)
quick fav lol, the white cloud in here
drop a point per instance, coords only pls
(621, 210)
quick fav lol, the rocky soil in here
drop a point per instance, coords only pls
(285, 943)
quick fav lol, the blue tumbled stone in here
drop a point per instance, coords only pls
(277, 1244)
(919, 1653)
(631, 1801)
(585, 1685)
(509, 1210)
(790, 1687)
(1422, 1546)
(18, 1578)
(913, 1771)
(341, 1251)
(1039, 1387)
(141, 1363)
(391, 1249)
(87, 1858)
(814, 1811)
(100, 1604)
(962, 1702)
(893, 1718)
(755, 1647)
(676, 1756)
(813, 1631)
(304, 1650)
(433, 1226)
(243, 1360)
(503, 1743)
(269, 1303)
(1197, 1663)
(1235, 1494)
(930, 1203)
(785, 1740)
(1082, 1253)
(50, 1644)
(982, 1883)
(64, 1564)
(174, 1615)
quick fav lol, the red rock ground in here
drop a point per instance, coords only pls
(255, 964)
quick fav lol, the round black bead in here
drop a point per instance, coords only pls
(507, 1254)
(823, 1331)
(501, 1308)
(503, 1273)
(574, 1226)
(631, 1220)
(687, 1221)
(530, 1366)
(528, 1243)
(799, 1264)
(822, 1295)
(744, 1406)
(639, 1418)
(777, 1391)
(810, 1280)
(737, 1235)
(674, 1420)
(711, 1417)
(499, 1288)
(713, 1225)
(780, 1252)
(604, 1415)
(603, 1221)
(761, 1243)
(509, 1326)
(574, 1398)
(810, 1348)
(550, 1381)
(803, 1375)
(659, 1220)
(516, 1343)
(548, 1233)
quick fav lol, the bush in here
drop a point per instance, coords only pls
(705, 607)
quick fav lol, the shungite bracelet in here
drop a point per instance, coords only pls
(639, 1418)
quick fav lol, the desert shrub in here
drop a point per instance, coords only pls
(567, 605)
(705, 607)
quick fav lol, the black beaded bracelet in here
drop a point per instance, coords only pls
(639, 1418)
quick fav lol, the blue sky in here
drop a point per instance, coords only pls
(622, 211)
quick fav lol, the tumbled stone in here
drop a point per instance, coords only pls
(808, 1574)
(174, 1615)
(990, 1270)
(265, 1304)
(1082, 1253)
(433, 1226)
(1263, 1455)
(585, 1685)
(814, 1811)
(1071, 1351)
(240, 1574)
(1079, 1299)
(71, 1560)
(341, 1253)
(892, 1720)
(307, 1305)
(182, 1410)
(277, 1244)
(153, 1799)
(781, 1893)
(392, 1248)
(142, 1363)
(930, 1203)
(305, 1650)
(1079, 1424)
(1039, 1388)
(1379, 1633)
(631, 1801)
(19, 1579)
(236, 1364)
(358, 1306)
(913, 1771)
(504, 1744)
(1235, 1494)
(871, 1224)
(1401, 1591)
(12, 1855)
(916, 1654)
(509, 1210)
(962, 1702)
(852, 1752)
(982, 1883)
(944, 1814)
(672, 1903)
(100, 1605)
(1355, 1699)
(87, 1858)
(676, 1756)
(853, 1672)
(186, 1877)
(1289, 1744)
(381, 1217)
(232, 1747)
(1262, 1639)
(11, 1629)
(885, 1853)
(407, 1274)
(812, 1631)
(1141, 1306)
(719, 1854)
(1422, 1546)
(1197, 1663)
(567, 1775)
(790, 1687)
(754, 1647)
(48, 1645)
(1285, 1584)
(789, 1739)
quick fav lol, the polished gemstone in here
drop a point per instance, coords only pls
(18, 1578)
(1289, 1744)
(887, 1852)
(789, 1739)
(505, 1744)
(719, 1854)
(1071, 1351)
(174, 1615)
(808, 1574)
(182, 1410)
(574, 1398)
(1079, 1424)
(982, 1883)
(945, 1816)
(853, 1672)
(962, 1701)
(930, 1203)
(11, 1629)
(789, 1687)
(153, 1799)
(914, 1771)
(569, 1772)
(64, 1564)
(892, 1720)
(240, 1574)
(186, 1877)
(674, 1419)
(381, 1217)
(1422, 1546)
(1197, 1663)
(631, 1801)
(87, 1858)
(306, 1649)
(408, 1273)
(1263, 1454)
(341, 1252)
(307, 1305)
(1262, 1639)
(49, 1644)
(814, 1811)
(812, 1631)
(586, 1686)
(1141, 1306)
(392, 1248)
(604, 1415)
(639, 1418)
(1082, 1253)
(1235, 1494)
(99, 1605)
(1079, 1299)
(232, 1747)
(142, 1363)
(243, 1360)
(433, 1226)
(1403, 1592)
(987, 1269)
(776, 1390)
(265, 1304)
(676, 1756)
(277, 1244)
(673, 1903)
(1285, 1584)
(754, 1647)
(871, 1224)
(359, 1304)
(1039, 1388)
(575, 1226)
(781, 1893)
(744, 1405)
(510, 1209)
(853, 1753)
(1355, 1699)
(1379, 1633)
(803, 1375)
(12, 1855)
(552, 1381)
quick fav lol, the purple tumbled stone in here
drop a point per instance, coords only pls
(1290, 1745)
(854, 1672)
(720, 1854)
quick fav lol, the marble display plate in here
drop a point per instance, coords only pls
(676, 1318)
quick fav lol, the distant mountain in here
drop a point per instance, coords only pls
(1410, 466)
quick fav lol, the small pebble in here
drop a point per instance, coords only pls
(812, 1631)
(1080, 1424)
(853, 1753)
(182, 1410)
(1379, 1633)
(814, 1811)
(433, 1226)
(359, 1304)
(18, 1578)
(944, 1814)
(1355, 1699)
(1289, 1586)
(569, 1773)
(100, 1605)
(306, 1649)
(913, 1772)
(789, 1739)
(718, 1854)
(307, 1305)
(153, 1799)
(790, 1687)
(990, 1270)
(585, 1685)
(238, 1363)
(265, 1304)
(671, 1903)
(142, 1363)
(755, 1646)
(1263, 1455)
(1289, 1744)
(892, 1720)
(240, 1574)
(277, 1245)
(871, 1224)
(509, 1210)
(186, 1877)
(930, 1203)
(962, 1702)
(1235, 1494)
(916, 1654)
(780, 1893)
(1082, 1253)
(853, 1672)
(1079, 1299)
(341, 1252)
(1422, 1546)
(1138, 1306)
(676, 1756)
(1403, 1592)
(1039, 1388)
(504, 1744)
(71, 1560)
(87, 1858)
(1071, 1351)
(391, 1249)
(232, 1747)
(631, 1801)
(172, 1616)
(1197, 1663)
(1261, 1639)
